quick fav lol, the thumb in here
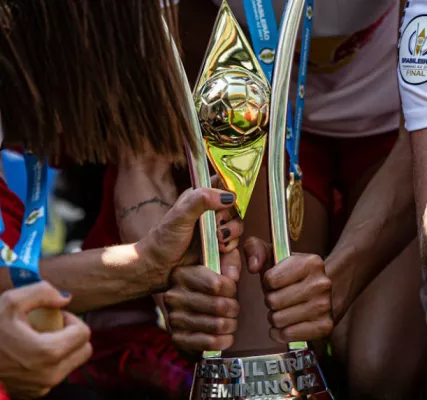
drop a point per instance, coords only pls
(39, 295)
(193, 203)
(258, 254)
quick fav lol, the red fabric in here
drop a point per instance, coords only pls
(3, 394)
(12, 211)
(331, 164)
(105, 231)
(137, 357)
(331, 167)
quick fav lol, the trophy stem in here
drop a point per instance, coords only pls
(277, 134)
(200, 177)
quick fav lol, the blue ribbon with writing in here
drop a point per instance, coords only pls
(265, 35)
(23, 259)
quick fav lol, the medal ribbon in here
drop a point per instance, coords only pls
(23, 259)
(265, 35)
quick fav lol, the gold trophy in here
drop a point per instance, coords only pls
(233, 113)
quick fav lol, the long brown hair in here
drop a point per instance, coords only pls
(99, 71)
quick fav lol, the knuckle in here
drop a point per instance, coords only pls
(215, 285)
(177, 275)
(272, 301)
(220, 306)
(212, 342)
(275, 319)
(178, 320)
(177, 339)
(324, 283)
(220, 326)
(323, 305)
(201, 196)
(327, 327)
(314, 263)
(268, 279)
(324, 328)
(171, 298)
(174, 320)
(10, 300)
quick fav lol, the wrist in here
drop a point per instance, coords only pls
(339, 267)
(151, 271)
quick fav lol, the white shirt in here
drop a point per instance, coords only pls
(412, 69)
(352, 87)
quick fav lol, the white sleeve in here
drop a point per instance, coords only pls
(412, 68)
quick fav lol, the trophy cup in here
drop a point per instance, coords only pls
(233, 113)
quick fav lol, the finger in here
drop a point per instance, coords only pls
(192, 322)
(306, 331)
(39, 295)
(231, 265)
(292, 270)
(216, 182)
(300, 313)
(58, 345)
(75, 360)
(230, 231)
(228, 247)
(202, 341)
(177, 299)
(222, 217)
(203, 280)
(258, 254)
(193, 203)
(56, 374)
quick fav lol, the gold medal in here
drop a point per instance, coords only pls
(295, 197)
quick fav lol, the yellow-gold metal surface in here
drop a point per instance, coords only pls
(232, 98)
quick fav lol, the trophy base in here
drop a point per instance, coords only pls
(292, 375)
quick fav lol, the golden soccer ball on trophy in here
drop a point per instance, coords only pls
(233, 108)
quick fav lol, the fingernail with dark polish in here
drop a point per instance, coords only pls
(225, 233)
(227, 198)
(65, 294)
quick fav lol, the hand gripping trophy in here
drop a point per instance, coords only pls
(234, 114)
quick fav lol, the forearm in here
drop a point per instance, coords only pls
(381, 225)
(100, 277)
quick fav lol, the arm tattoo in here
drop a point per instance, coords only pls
(155, 200)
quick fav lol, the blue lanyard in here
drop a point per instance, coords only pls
(23, 259)
(265, 35)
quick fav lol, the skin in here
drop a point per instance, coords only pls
(102, 277)
(31, 363)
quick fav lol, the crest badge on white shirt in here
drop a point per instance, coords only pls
(413, 52)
